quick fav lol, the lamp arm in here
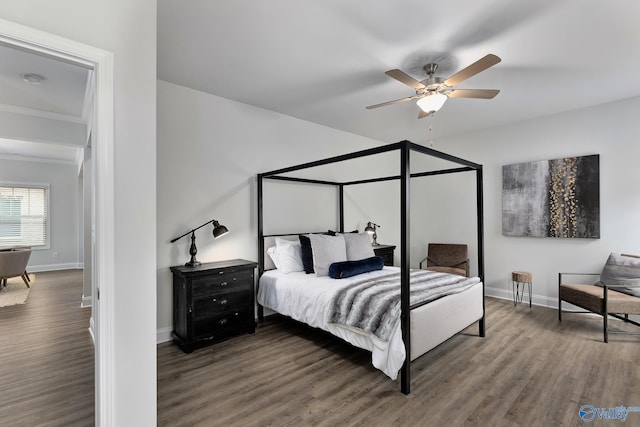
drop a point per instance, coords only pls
(191, 231)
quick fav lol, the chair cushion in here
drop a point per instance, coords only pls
(450, 270)
(622, 270)
(591, 297)
(446, 254)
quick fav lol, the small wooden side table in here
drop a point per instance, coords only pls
(524, 279)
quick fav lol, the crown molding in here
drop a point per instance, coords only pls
(41, 114)
(14, 157)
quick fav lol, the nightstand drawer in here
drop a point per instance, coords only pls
(221, 325)
(221, 282)
(202, 307)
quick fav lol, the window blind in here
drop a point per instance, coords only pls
(24, 216)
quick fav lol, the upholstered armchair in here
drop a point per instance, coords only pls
(447, 258)
(13, 263)
(616, 294)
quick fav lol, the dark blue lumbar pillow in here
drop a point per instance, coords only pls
(341, 270)
(307, 253)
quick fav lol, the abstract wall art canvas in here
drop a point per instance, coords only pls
(552, 198)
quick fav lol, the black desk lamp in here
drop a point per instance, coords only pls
(371, 229)
(218, 231)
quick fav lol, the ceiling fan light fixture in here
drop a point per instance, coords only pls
(432, 103)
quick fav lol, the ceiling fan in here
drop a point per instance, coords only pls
(433, 92)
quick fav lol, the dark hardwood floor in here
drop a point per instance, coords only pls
(46, 356)
(529, 370)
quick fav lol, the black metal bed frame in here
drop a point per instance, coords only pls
(405, 148)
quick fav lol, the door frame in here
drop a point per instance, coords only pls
(102, 316)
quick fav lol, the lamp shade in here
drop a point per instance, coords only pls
(432, 103)
(219, 230)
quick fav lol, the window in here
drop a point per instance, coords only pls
(24, 215)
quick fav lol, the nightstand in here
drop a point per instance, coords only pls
(385, 252)
(212, 302)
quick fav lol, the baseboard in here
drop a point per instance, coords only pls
(54, 267)
(87, 301)
(163, 335)
(541, 300)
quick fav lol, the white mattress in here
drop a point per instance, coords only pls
(306, 298)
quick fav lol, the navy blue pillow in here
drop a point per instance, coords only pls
(341, 270)
(307, 254)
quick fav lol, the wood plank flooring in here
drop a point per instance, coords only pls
(46, 356)
(529, 370)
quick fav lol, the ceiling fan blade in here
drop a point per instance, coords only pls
(382, 104)
(403, 77)
(474, 93)
(422, 114)
(473, 69)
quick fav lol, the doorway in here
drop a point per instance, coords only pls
(100, 62)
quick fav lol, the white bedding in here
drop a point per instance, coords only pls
(282, 293)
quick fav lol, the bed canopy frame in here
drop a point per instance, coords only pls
(405, 149)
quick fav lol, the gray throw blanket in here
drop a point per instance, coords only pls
(373, 305)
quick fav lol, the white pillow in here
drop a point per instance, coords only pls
(289, 255)
(326, 250)
(358, 246)
(273, 254)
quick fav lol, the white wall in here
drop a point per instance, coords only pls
(610, 130)
(63, 206)
(87, 219)
(128, 29)
(209, 152)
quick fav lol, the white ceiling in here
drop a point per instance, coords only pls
(60, 96)
(324, 60)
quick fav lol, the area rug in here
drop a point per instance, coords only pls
(16, 292)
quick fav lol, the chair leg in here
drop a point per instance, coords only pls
(605, 311)
(559, 309)
(26, 282)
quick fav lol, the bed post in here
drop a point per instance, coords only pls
(260, 242)
(479, 197)
(341, 202)
(405, 312)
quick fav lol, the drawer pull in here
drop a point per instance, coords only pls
(222, 322)
(223, 284)
(221, 302)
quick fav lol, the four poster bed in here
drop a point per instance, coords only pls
(409, 311)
